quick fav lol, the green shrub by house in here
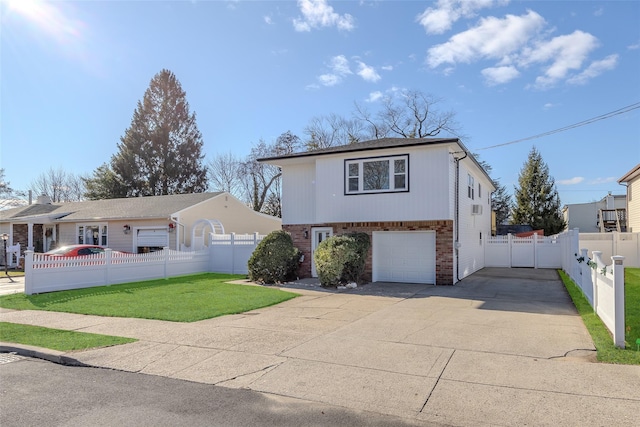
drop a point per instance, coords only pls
(275, 259)
(341, 259)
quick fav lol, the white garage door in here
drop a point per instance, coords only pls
(404, 256)
(153, 237)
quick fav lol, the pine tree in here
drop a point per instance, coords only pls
(536, 200)
(161, 152)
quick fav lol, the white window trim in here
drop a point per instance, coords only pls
(101, 226)
(360, 162)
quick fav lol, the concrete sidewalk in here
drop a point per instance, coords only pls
(502, 347)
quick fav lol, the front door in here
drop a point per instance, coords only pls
(320, 234)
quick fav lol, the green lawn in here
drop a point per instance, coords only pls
(56, 339)
(607, 352)
(179, 299)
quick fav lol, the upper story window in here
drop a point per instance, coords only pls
(377, 175)
(479, 190)
(470, 189)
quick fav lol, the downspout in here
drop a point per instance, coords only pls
(456, 237)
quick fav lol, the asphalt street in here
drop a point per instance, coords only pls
(40, 393)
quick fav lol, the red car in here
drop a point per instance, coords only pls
(75, 250)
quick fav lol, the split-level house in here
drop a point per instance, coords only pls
(424, 202)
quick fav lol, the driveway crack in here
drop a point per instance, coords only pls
(437, 380)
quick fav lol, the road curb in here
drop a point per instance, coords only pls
(41, 353)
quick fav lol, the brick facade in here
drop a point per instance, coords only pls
(444, 242)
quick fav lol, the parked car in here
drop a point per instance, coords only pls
(75, 250)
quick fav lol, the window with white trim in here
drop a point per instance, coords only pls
(470, 189)
(92, 234)
(377, 175)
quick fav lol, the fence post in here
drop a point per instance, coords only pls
(535, 250)
(107, 265)
(28, 272)
(594, 279)
(510, 240)
(618, 292)
(166, 261)
(232, 236)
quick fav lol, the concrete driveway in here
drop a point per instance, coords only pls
(502, 347)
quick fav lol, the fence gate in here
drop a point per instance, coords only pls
(532, 252)
(522, 254)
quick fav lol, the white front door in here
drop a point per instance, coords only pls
(319, 234)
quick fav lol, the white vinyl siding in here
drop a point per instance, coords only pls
(472, 228)
(428, 198)
(633, 207)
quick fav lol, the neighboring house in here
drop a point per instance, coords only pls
(632, 181)
(425, 203)
(608, 214)
(136, 224)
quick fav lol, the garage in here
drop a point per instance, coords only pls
(404, 256)
(152, 239)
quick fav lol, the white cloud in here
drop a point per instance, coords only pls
(598, 12)
(374, 96)
(549, 105)
(268, 20)
(438, 19)
(492, 38)
(339, 66)
(566, 53)
(571, 181)
(318, 14)
(594, 70)
(634, 46)
(500, 75)
(518, 42)
(387, 67)
(367, 72)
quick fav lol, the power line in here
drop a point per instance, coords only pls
(575, 125)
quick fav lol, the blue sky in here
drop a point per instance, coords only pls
(72, 73)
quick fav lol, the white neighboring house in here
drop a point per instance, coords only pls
(632, 181)
(605, 215)
(425, 203)
(136, 224)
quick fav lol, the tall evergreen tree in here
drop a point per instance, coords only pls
(536, 200)
(161, 151)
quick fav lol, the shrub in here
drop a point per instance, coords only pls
(341, 259)
(275, 259)
(354, 267)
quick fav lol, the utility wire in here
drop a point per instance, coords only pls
(575, 125)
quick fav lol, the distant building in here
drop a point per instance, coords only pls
(608, 214)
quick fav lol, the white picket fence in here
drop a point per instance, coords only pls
(225, 254)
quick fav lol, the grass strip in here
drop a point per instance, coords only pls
(602, 339)
(56, 339)
(178, 299)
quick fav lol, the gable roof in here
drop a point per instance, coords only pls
(375, 144)
(124, 208)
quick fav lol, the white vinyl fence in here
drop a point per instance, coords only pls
(614, 243)
(230, 252)
(601, 284)
(225, 254)
(534, 251)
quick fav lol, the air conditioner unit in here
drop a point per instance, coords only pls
(476, 209)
